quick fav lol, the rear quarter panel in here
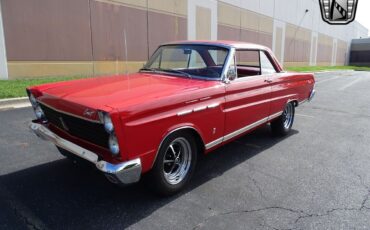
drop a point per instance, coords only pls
(287, 87)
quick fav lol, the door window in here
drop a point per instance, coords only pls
(248, 63)
(266, 66)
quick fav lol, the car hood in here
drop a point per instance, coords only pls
(120, 92)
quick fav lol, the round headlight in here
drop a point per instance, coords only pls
(108, 125)
(39, 113)
(113, 144)
(33, 101)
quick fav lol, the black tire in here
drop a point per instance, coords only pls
(158, 179)
(283, 124)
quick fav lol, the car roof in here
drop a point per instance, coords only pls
(221, 43)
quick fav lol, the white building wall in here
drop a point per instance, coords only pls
(3, 60)
(294, 12)
(209, 4)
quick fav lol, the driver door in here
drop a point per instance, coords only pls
(247, 96)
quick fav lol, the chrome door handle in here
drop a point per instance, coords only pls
(268, 80)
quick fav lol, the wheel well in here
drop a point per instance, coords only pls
(295, 102)
(198, 139)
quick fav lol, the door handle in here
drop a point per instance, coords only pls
(268, 80)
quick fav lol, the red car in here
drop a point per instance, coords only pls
(189, 99)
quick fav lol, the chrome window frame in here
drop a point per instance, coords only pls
(224, 68)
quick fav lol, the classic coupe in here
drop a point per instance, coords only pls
(190, 98)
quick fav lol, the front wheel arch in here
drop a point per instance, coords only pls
(156, 178)
(193, 131)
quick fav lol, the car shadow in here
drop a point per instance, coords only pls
(63, 195)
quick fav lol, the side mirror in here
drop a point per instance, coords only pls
(231, 73)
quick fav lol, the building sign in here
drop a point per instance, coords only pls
(338, 12)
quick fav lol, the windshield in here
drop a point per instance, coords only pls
(198, 61)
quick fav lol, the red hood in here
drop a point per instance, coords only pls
(119, 92)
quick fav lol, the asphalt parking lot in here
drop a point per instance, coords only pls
(316, 178)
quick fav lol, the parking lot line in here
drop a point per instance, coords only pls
(303, 115)
(333, 78)
(351, 83)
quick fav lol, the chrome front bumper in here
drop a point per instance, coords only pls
(124, 173)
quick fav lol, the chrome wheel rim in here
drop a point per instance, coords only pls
(288, 115)
(177, 160)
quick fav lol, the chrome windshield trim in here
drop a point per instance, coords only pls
(228, 47)
(227, 64)
(159, 72)
(225, 46)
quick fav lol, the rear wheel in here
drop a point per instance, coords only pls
(174, 164)
(283, 124)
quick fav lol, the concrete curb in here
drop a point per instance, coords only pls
(13, 103)
(335, 71)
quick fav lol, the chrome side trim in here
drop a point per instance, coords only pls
(273, 116)
(69, 114)
(302, 102)
(242, 130)
(212, 106)
(198, 109)
(183, 113)
(245, 129)
(123, 173)
(214, 143)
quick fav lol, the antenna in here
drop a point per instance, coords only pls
(125, 44)
(298, 28)
(91, 40)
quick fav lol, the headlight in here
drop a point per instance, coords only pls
(109, 128)
(113, 144)
(39, 113)
(33, 100)
(108, 125)
(36, 107)
(107, 121)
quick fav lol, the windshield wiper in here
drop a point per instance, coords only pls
(148, 69)
(155, 70)
(177, 71)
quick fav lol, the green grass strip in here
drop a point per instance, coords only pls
(17, 88)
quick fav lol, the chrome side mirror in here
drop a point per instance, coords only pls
(231, 73)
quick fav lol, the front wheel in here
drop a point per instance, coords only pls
(174, 164)
(283, 124)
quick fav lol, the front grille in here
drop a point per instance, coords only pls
(83, 129)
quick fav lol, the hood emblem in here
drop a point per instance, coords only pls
(88, 112)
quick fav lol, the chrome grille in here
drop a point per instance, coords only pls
(77, 127)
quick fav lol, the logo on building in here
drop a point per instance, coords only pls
(338, 12)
